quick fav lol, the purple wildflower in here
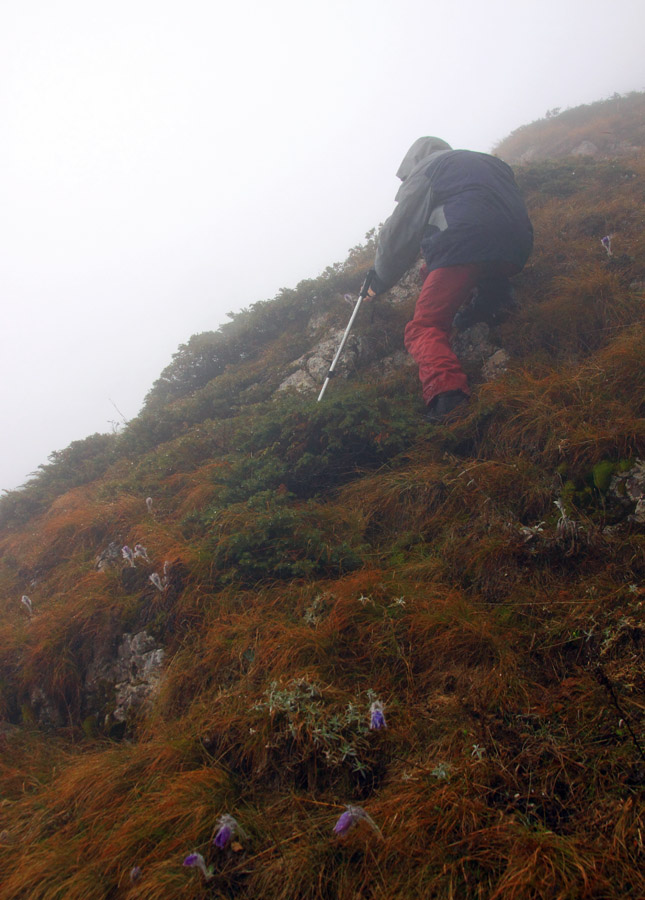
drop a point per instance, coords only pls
(377, 716)
(140, 550)
(228, 827)
(606, 242)
(135, 874)
(351, 817)
(196, 860)
(346, 821)
(149, 504)
(26, 602)
(126, 553)
(223, 837)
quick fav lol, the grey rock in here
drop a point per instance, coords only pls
(474, 344)
(312, 368)
(409, 286)
(43, 709)
(317, 323)
(628, 490)
(390, 364)
(585, 148)
(134, 674)
(300, 381)
(110, 558)
(495, 365)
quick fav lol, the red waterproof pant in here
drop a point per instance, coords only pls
(426, 336)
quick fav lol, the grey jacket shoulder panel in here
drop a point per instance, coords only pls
(400, 237)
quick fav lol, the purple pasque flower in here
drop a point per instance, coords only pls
(149, 504)
(26, 601)
(351, 817)
(196, 860)
(223, 837)
(135, 874)
(126, 553)
(140, 550)
(227, 829)
(606, 242)
(377, 716)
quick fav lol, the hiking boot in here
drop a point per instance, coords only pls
(492, 302)
(442, 407)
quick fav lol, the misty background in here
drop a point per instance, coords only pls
(163, 163)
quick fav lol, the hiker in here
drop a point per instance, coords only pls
(464, 211)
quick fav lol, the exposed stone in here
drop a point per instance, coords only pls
(495, 365)
(134, 674)
(474, 344)
(390, 364)
(409, 286)
(627, 489)
(317, 322)
(585, 148)
(300, 381)
(313, 366)
(110, 558)
(475, 350)
(529, 155)
(43, 709)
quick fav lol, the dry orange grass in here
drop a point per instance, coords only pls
(506, 770)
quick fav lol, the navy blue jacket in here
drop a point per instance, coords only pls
(459, 207)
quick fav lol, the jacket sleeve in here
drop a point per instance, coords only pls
(400, 236)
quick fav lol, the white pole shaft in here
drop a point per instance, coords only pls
(340, 349)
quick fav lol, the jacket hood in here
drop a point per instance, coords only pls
(421, 148)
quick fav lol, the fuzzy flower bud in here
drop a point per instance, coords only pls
(140, 550)
(135, 874)
(228, 828)
(149, 504)
(377, 716)
(196, 860)
(126, 553)
(26, 602)
(154, 578)
(351, 817)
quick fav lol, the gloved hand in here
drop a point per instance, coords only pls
(372, 285)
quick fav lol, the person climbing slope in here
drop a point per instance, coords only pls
(464, 211)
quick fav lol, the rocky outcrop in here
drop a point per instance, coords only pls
(43, 710)
(585, 148)
(312, 368)
(474, 347)
(628, 489)
(124, 683)
(110, 559)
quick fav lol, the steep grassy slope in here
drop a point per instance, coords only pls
(321, 558)
(606, 129)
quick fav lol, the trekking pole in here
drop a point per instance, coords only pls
(361, 295)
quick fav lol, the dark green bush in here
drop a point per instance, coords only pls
(269, 538)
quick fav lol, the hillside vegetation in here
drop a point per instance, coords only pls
(606, 129)
(321, 566)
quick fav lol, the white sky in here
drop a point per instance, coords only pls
(165, 161)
